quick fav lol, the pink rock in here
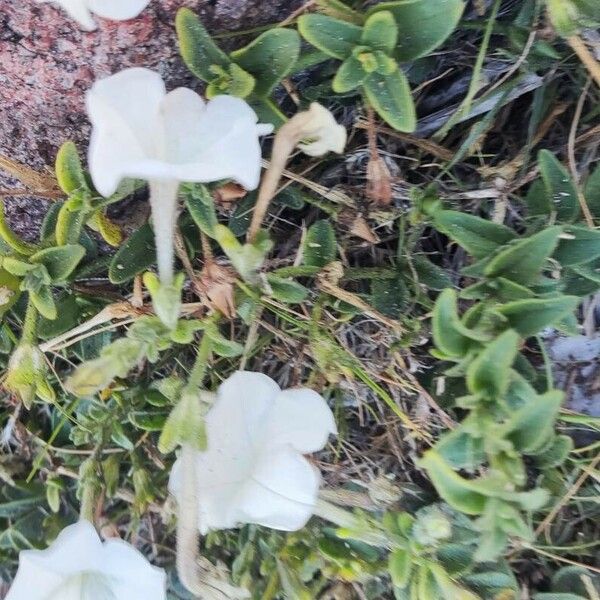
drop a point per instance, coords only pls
(47, 63)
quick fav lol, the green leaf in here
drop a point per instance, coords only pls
(197, 48)
(399, 566)
(422, 24)
(232, 80)
(562, 15)
(320, 247)
(17, 267)
(430, 275)
(201, 204)
(583, 247)
(489, 374)
(135, 256)
(221, 345)
(523, 261)
(44, 301)
(446, 329)
(568, 579)
(448, 588)
(9, 290)
(380, 32)
(537, 200)
(60, 261)
(269, 58)
(339, 10)
(479, 237)
(287, 290)
(68, 314)
(246, 258)
(460, 449)
(556, 454)
(69, 171)
(531, 426)
(592, 192)
(147, 420)
(349, 76)
(458, 492)
(559, 186)
(70, 219)
(530, 316)
(332, 36)
(185, 425)
(391, 97)
(389, 296)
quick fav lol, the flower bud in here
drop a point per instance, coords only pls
(26, 376)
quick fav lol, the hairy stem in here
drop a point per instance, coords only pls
(163, 202)
(347, 520)
(188, 537)
(29, 335)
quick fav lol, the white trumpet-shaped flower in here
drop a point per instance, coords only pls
(321, 132)
(116, 10)
(78, 566)
(253, 470)
(141, 131)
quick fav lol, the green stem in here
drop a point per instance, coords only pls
(11, 238)
(199, 370)
(359, 530)
(465, 105)
(547, 364)
(29, 335)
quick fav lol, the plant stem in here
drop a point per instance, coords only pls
(29, 335)
(198, 371)
(586, 57)
(187, 524)
(347, 520)
(163, 202)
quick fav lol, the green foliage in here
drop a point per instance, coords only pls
(368, 62)
(251, 72)
(320, 244)
(423, 25)
(134, 256)
(515, 298)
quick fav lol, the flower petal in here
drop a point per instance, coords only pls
(131, 575)
(118, 10)
(323, 133)
(238, 416)
(282, 492)
(124, 110)
(74, 550)
(230, 147)
(78, 10)
(300, 417)
(181, 112)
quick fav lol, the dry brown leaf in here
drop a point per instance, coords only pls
(379, 181)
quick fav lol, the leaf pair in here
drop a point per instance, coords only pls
(368, 62)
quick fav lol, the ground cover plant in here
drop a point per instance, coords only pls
(325, 365)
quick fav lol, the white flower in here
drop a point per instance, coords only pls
(253, 470)
(117, 10)
(321, 132)
(141, 131)
(78, 566)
